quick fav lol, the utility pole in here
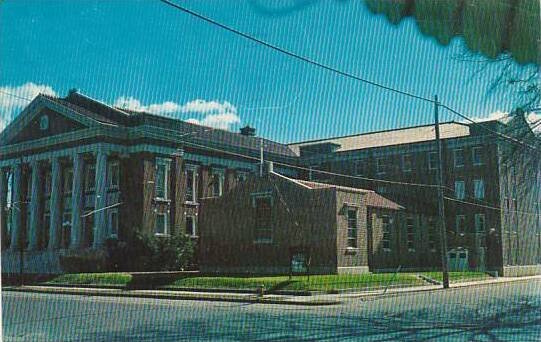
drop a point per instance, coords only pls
(441, 203)
(261, 157)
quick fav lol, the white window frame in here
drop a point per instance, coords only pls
(410, 235)
(354, 228)
(165, 224)
(477, 223)
(456, 152)
(386, 229)
(381, 166)
(47, 185)
(194, 226)
(432, 160)
(479, 189)
(460, 195)
(474, 150)
(166, 163)
(193, 169)
(407, 167)
(360, 167)
(460, 230)
(69, 189)
(111, 167)
(113, 211)
(220, 174)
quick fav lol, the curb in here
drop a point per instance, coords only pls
(169, 296)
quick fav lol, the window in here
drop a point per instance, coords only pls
(381, 167)
(432, 234)
(360, 167)
(459, 157)
(478, 189)
(460, 190)
(68, 180)
(66, 230)
(46, 230)
(407, 162)
(114, 174)
(242, 176)
(381, 189)
(90, 177)
(432, 160)
(190, 226)
(161, 182)
(44, 122)
(47, 184)
(191, 185)
(479, 223)
(477, 156)
(460, 224)
(162, 224)
(386, 239)
(217, 183)
(410, 225)
(113, 223)
(263, 218)
(352, 228)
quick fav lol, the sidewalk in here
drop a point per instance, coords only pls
(312, 300)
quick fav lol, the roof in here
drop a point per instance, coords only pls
(217, 138)
(371, 199)
(391, 137)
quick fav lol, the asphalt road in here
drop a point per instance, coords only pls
(505, 312)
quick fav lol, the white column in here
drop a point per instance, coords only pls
(77, 202)
(100, 222)
(34, 206)
(56, 197)
(16, 212)
(3, 202)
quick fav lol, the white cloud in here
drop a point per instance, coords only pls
(533, 119)
(216, 114)
(14, 99)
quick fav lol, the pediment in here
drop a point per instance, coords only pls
(43, 118)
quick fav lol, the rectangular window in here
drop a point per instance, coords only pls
(241, 176)
(386, 223)
(479, 189)
(190, 226)
(410, 225)
(433, 160)
(65, 237)
(432, 234)
(381, 166)
(479, 223)
(46, 230)
(477, 156)
(90, 177)
(217, 183)
(360, 167)
(191, 185)
(381, 189)
(460, 190)
(460, 224)
(162, 224)
(113, 223)
(113, 174)
(47, 184)
(68, 180)
(352, 228)
(263, 219)
(407, 162)
(161, 182)
(459, 157)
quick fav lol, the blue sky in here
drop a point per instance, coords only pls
(146, 55)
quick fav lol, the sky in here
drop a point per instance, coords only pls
(144, 55)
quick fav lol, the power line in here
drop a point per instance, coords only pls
(17, 96)
(292, 54)
(491, 207)
(480, 125)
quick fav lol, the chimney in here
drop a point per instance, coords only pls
(247, 131)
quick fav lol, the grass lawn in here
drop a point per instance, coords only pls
(300, 283)
(92, 279)
(458, 276)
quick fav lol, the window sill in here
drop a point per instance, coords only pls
(263, 242)
(411, 250)
(352, 250)
(387, 250)
(191, 203)
(162, 235)
(162, 200)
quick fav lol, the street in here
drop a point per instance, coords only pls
(503, 312)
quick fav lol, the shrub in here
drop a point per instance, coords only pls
(84, 261)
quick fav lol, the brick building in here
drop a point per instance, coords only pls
(75, 172)
(269, 223)
(492, 191)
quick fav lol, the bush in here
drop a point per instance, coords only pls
(84, 262)
(146, 253)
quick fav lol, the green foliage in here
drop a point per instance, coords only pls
(84, 261)
(147, 253)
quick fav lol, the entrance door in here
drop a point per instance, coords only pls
(458, 260)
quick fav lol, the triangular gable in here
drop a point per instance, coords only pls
(28, 124)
